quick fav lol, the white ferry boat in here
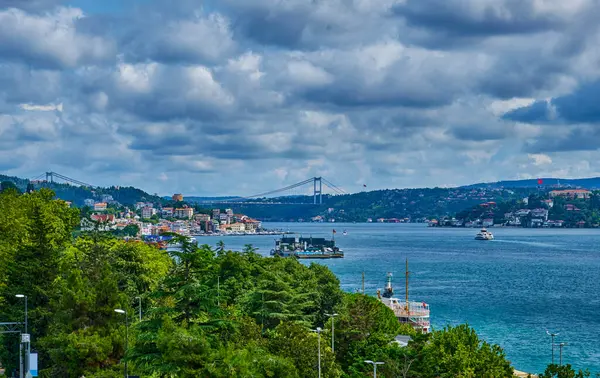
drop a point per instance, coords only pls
(484, 235)
(410, 312)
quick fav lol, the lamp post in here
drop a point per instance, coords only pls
(561, 345)
(139, 307)
(25, 366)
(118, 310)
(374, 366)
(552, 335)
(318, 331)
(332, 316)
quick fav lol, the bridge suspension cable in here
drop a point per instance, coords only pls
(333, 187)
(50, 176)
(289, 187)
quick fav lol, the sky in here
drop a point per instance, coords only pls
(230, 97)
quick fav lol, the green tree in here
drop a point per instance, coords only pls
(458, 352)
(296, 342)
(364, 328)
(97, 275)
(564, 371)
(31, 265)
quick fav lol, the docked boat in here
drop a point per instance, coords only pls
(484, 235)
(413, 313)
(306, 248)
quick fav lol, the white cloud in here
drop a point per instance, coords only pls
(43, 108)
(51, 39)
(540, 159)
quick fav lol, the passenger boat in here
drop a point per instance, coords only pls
(413, 313)
(306, 248)
(484, 235)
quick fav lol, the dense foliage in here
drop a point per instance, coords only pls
(205, 312)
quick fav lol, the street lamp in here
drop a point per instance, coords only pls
(561, 345)
(374, 366)
(332, 316)
(25, 366)
(318, 331)
(139, 307)
(552, 335)
(118, 310)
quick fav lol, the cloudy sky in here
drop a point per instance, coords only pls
(239, 97)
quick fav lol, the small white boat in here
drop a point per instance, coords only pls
(484, 235)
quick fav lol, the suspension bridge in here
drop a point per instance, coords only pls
(296, 194)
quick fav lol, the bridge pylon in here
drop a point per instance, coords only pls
(317, 190)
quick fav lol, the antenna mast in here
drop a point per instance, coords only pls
(407, 306)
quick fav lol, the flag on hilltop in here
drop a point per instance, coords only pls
(540, 181)
(334, 231)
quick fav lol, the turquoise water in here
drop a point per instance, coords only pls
(510, 289)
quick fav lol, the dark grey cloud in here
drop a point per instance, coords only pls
(478, 18)
(579, 138)
(480, 132)
(30, 5)
(581, 106)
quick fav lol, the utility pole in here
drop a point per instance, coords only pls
(407, 305)
(332, 316)
(374, 366)
(561, 345)
(552, 335)
(318, 331)
(139, 307)
(25, 339)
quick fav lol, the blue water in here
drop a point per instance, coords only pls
(510, 289)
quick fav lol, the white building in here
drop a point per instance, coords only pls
(100, 206)
(184, 213)
(148, 212)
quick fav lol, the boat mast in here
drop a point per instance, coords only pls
(407, 306)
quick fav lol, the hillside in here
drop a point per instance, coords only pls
(538, 210)
(410, 204)
(589, 183)
(77, 195)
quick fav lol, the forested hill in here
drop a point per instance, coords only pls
(413, 204)
(77, 195)
(588, 183)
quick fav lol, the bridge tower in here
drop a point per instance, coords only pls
(317, 190)
(49, 176)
